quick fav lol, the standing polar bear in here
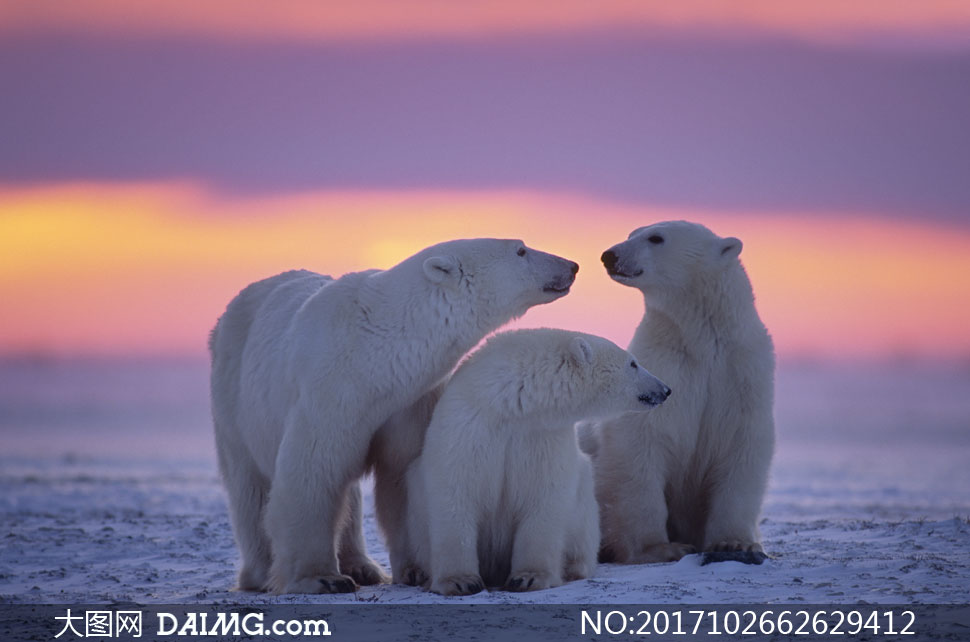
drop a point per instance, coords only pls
(692, 474)
(306, 370)
(501, 494)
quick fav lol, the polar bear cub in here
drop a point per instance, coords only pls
(504, 496)
(691, 475)
(306, 370)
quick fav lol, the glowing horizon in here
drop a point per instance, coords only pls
(825, 20)
(145, 269)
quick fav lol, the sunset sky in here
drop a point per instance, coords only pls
(156, 157)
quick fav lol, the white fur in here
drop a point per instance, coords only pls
(692, 474)
(394, 447)
(307, 369)
(501, 494)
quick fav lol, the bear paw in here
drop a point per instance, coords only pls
(734, 550)
(251, 579)
(413, 575)
(745, 557)
(529, 581)
(321, 584)
(726, 545)
(576, 570)
(666, 552)
(459, 585)
(365, 572)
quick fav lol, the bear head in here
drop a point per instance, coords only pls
(671, 257)
(612, 379)
(503, 277)
(557, 376)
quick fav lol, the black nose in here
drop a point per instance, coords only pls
(574, 267)
(609, 259)
(667, 391)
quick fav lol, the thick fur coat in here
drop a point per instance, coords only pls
(692, 474)
(502, 495)
(307, 370)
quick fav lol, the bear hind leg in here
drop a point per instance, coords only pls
(248, 491)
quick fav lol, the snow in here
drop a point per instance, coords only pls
(109, 493)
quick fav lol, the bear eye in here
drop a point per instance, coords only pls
(656, 239)
(521, 251)
(633, 364)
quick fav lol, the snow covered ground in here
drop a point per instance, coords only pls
(109, 493)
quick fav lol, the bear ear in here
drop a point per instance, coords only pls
(439, 269)
(729, 248)
(581, 351)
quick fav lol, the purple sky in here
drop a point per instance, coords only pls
(686, 120)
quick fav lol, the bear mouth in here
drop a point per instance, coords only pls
(648, 401)
(556, 289)
(619, 274)
(559, 286)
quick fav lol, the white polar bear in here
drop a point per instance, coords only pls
(692, 474)
(307, 369)
(501, 494)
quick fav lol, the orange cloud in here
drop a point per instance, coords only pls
(313, 20)
(109, 269)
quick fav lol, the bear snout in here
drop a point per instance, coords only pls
(562, 282)
(560, 285)
(655, 398)
(611, 260)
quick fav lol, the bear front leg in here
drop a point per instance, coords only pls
(735, 504)
(537, 552)
(453, 536)
(306, 501)
(414, 553)
(454, 555)
(583, 536)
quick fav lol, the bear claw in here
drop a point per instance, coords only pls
(414, 576)
(365, 573)
(469, 588)
(528, 581)
(729, 545)
(338, 584)
(459, 585)
(745, 557)
(665, 552)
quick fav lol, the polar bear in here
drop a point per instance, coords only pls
(501, 494)
(307, 369)
(692, 474)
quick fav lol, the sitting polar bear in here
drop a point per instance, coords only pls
(307, 369)
(692, 474)
(501, 494)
